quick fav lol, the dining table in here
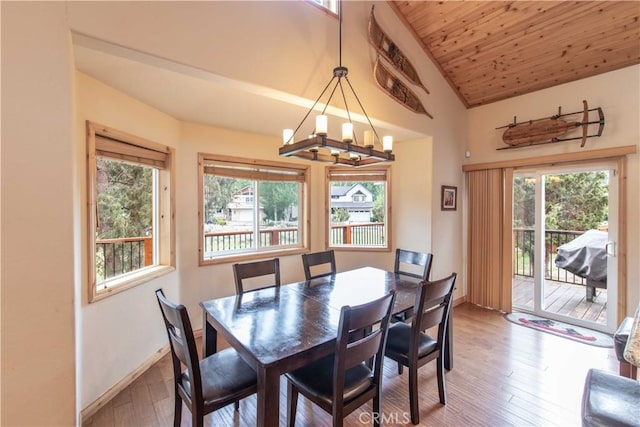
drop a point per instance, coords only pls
(279, 329)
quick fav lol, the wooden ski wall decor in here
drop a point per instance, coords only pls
(549, 130)
(385, 78)
(392, 53)
(394, 87)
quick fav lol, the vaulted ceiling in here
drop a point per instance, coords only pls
(493, 50)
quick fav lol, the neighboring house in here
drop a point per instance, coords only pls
(241, 208)
(355, 199)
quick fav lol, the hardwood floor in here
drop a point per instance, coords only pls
(503, 375)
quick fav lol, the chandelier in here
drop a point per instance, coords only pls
(348, 150)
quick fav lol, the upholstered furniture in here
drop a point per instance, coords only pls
(410, 346)
(343, 381)
(620, 338)
(205, 385)
(610, 400)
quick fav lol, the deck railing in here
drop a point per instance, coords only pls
(220, 241)
(523, 254)
(119, 256)
(367, 234)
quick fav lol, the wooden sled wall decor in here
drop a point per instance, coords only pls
(391, 84)
(549, 130)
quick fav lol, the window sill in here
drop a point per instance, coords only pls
(129, 281)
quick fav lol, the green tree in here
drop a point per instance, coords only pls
(378, 212)
(339, 215)
(523, 202)
(573, 201)
(218, 193)
(125, 199)
(576, 201)
(277, 198)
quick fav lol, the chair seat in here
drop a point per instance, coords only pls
(610, 400)
(317, 379)
(224, 376)
(398, 339)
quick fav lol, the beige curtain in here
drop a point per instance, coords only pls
(489, 248)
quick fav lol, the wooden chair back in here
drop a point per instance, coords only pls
(326, 259)
(183, 348)
(362, 333)
(405, 258)
(256, 269)
(432, 307)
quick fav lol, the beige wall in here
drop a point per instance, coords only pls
(43, 306)
(38, 217)
(618, 94)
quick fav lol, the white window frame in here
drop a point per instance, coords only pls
(127, 147)
(341, 174)
(256, 170)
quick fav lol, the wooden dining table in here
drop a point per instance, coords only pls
(279, 329)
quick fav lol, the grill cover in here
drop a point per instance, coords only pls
(585, 256)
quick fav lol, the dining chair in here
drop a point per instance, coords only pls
(412, 264)
(326, 259)
(205, 385)
(345, 380)
(410, 346)
(251, 270)
(407, 261)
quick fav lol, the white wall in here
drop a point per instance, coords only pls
(618, 94)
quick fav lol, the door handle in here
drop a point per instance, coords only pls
(610, 248)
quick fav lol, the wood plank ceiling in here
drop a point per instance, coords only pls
(493, 50)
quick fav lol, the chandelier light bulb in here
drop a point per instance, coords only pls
(387, 143)
(321, 124)
(347, 132)
(287, 136)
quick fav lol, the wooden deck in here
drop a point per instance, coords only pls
(562, 298)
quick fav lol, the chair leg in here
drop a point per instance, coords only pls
(237, 405)
(177, 409)
(197, 419)
(376, 409)
(442, 391)
(338, 419)
(292, 404)
(413, 394)
(399, 368)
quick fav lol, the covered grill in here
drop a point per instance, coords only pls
(586, 257)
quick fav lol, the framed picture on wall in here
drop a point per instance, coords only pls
(449, 198)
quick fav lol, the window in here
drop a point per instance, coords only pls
(130, 215)
(330, 5)
(250, 208)
(359, 214)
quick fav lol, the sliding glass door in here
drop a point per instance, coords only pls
(564, 244)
